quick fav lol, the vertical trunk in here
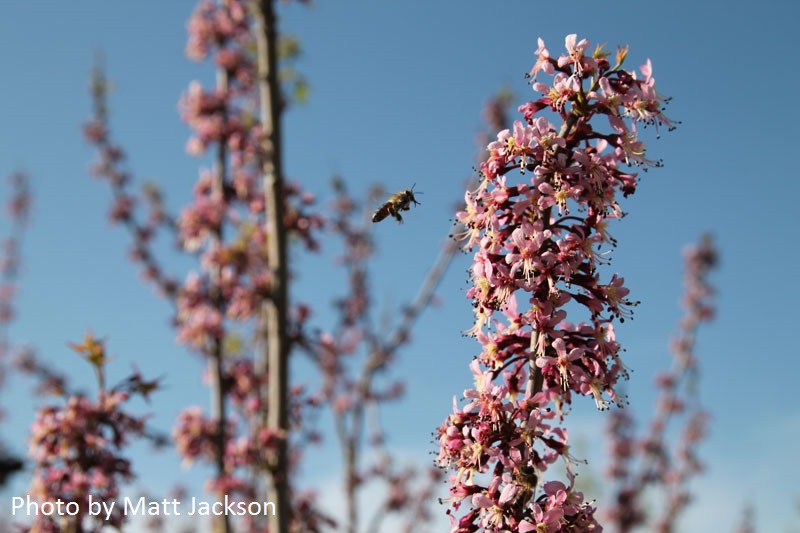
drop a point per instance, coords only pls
(274, 359)
(350, 484)
(216, 354)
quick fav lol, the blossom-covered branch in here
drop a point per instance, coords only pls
(230, 226)
(648, 461)
(110, 168)
(18, 210)
(78, 448)
(538, 259)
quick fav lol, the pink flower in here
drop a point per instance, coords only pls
(575, 49)
(563, 361)
(543, 61)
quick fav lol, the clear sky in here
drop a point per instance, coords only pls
(397, 91)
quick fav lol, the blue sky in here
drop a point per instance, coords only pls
(397, 90)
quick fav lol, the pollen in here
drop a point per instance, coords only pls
(482, 284)
(596, 391)
(512, 146)
(491, 350)
(561, 197)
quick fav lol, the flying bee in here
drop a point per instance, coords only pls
(400, 201)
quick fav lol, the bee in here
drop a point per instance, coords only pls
(400, 201)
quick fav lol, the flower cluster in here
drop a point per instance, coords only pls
(235, 279)
(77, 448)
(539, 239)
